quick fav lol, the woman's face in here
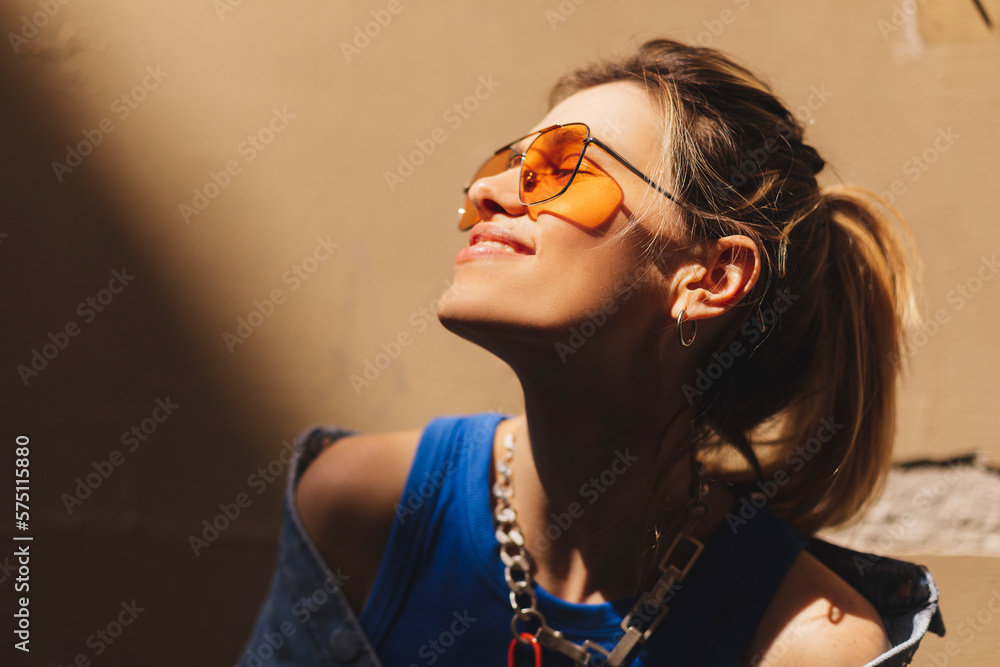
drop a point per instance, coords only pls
(531, 275)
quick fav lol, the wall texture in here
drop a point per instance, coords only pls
(219, 214)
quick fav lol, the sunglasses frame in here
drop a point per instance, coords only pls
(589, 139)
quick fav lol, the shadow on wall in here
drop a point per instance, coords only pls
(133, 442)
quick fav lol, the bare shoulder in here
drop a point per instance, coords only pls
(347, 499)
(816, 618)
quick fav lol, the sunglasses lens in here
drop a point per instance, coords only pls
(497, 164)
(553, 162)
(550, 163)
(556, 179)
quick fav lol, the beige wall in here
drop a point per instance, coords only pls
(878, 84)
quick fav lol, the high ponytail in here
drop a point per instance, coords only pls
(811, 404)
(864, 305)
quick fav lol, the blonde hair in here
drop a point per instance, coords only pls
(736, 162)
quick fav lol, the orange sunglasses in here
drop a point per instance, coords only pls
(549, 165)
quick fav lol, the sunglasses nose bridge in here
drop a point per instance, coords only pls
(495, 194)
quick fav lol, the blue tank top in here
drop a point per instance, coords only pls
(440, 597)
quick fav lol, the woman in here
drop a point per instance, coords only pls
(703, 338)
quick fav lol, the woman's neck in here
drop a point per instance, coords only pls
(594, 473)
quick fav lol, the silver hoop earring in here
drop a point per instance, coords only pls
(680, 330)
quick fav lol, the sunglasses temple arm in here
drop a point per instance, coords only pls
(635, 170)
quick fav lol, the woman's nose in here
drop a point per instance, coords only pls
(498, 195)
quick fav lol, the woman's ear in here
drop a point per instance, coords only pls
(715, 280)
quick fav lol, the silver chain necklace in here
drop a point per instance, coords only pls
(641, 620)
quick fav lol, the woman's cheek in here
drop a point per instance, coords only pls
(591, 202)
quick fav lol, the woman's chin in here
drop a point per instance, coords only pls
(475, 324)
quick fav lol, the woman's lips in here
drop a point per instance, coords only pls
(492, 240)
